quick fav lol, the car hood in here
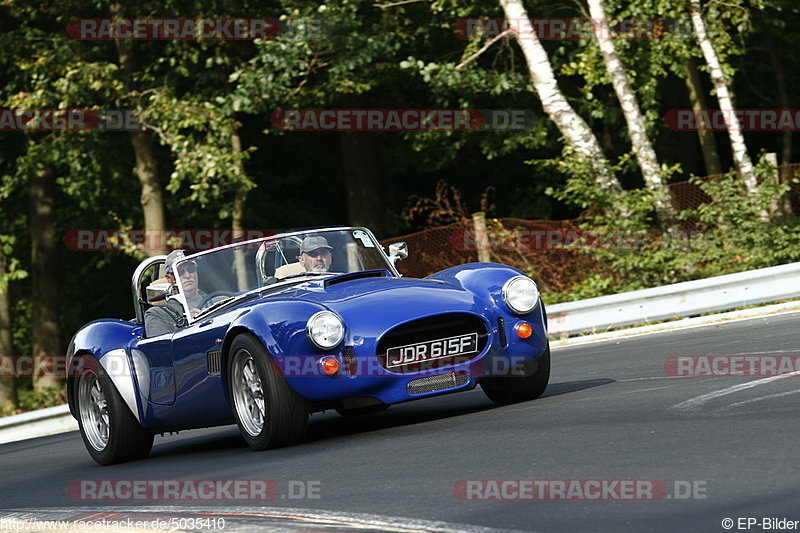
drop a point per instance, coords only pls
(386, 298)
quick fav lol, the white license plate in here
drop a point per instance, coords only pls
(430, 350)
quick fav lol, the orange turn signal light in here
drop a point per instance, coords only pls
(524, 330)
(329, 365)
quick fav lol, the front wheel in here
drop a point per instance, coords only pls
(269, 413)
(513, 389)
(109, 430)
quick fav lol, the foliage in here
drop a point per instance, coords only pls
(720, 237)
(30, 399)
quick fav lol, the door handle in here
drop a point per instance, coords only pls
(206, 323)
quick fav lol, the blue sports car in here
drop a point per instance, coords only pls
(265, 332)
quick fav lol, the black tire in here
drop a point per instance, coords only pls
(358, 411)
(282, 411)
(512, 389)
(109, 430)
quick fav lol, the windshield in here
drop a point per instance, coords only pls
(208, 278)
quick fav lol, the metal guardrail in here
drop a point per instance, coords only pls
(36, 424)
(686, 299)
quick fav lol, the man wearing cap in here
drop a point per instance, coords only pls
(168, 317)
(315, 254)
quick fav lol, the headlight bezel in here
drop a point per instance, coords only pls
(311, 324)
(508, 296)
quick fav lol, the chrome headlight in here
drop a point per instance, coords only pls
(325, 329)
(521, 294)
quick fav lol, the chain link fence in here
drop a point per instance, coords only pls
(536, 246)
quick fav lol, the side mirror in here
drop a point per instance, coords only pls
(397, 251)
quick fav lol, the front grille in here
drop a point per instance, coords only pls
(437, 327)
(350, 364)
(440, 382)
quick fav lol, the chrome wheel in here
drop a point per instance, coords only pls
(248, 393)
(94, 412)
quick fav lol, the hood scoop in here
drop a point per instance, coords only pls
(381, 273)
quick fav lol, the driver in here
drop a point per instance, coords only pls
(315, 254)
(165, 318)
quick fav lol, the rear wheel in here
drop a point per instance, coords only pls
(269, 413)
(109, 430)
(513, 389)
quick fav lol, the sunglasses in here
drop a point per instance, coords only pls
(190, 268)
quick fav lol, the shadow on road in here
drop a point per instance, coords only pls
(329, 426)
(556, 389)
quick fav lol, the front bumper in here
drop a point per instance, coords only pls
(362, 376)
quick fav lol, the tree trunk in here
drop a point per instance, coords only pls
(362, 179)
(8, 384)
(785, 173)
(640, 141)
(45, 273)
(706, 137)
(237, 217)
(576, 132)
(152, 197)
(740, 156)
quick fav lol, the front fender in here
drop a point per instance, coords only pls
(104, 343)
(279, 325)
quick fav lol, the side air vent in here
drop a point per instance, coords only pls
(214, 359)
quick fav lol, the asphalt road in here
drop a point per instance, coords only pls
(611, 412)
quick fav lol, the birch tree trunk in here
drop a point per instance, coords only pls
(237, 217)
(740, 156)
(577, 133)
(642, 147)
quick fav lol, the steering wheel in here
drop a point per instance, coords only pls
(216, 294)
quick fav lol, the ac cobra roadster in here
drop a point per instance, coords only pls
(298, 323)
